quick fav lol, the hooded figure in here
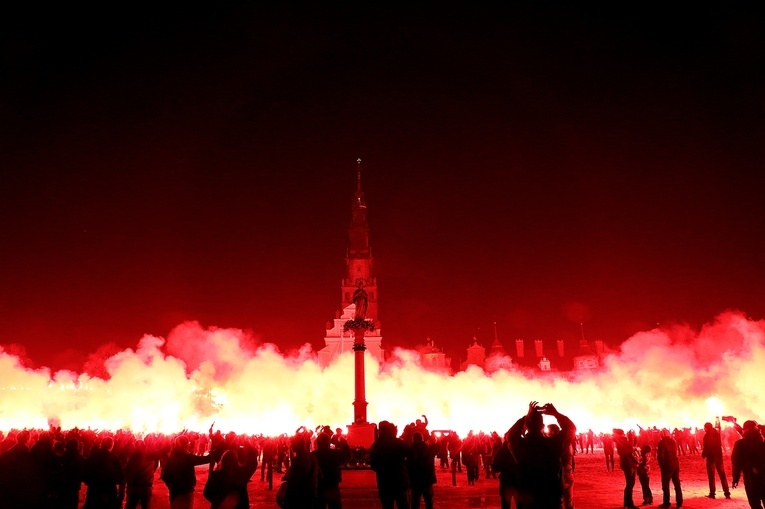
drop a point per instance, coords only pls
(669, 465)
(748, 458)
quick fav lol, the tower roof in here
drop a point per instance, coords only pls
(496, 346)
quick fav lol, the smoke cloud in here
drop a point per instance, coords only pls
(670, 377)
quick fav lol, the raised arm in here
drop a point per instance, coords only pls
(515, 433)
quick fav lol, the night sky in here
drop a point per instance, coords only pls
(540, 168)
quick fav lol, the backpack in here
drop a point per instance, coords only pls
(215, 487)
(635, 457)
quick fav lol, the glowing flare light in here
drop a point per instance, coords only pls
(669, 378)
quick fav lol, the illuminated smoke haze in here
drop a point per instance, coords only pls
(673, 377)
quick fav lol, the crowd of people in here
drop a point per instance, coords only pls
(747, 460)
(46, 469)
(534, 463)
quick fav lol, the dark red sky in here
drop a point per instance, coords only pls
(538, 166)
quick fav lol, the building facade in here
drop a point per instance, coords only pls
(537, 355)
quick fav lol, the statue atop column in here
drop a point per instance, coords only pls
(361, 300)
(359, 322)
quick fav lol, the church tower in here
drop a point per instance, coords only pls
(359, 270)
(358, 260)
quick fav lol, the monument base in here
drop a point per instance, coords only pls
(361, 435)
(358, 479)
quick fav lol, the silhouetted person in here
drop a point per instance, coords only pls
(302, 477)
(625, 448)
(44, 470)
(539, 456)
(455, 450)
(55, 476)
(387, 457)
(496, 444)
(179, 475)
(644, 474)
(422, 427)
(139, 476)
(226, 486)
(18, 487)
(443, 452)
(506, 466)
(104, 478)
(608, 451)
(337, 438)
(713, 453)
(669, 465)
(72, 468)
(567, 471)
(471, 457)
(282, 453)
(693, 443)
(330, 462)
(408, 433)
(748, 458)
(590, 446)
(422, 470)
(269, 457)
(485, 448)
(681, 438)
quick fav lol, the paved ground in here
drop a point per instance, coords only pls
(594, 489)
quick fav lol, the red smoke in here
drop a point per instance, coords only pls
(672, 377)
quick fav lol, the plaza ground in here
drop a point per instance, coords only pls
(594, 488)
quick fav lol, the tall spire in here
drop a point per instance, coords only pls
(359, 195)
(360, 265)
(584, 345)
(359, 216)
(496, 346)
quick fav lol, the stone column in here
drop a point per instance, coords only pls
(360, 400)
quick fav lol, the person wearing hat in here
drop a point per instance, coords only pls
(748, 458)
(669, 466)
(644, 474)
(628, 462)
